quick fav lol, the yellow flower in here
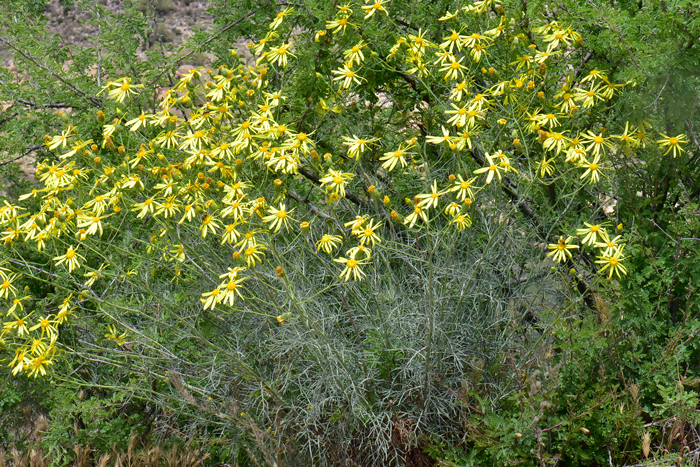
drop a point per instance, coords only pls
(209, 223)
(329, 242)
(452, 41)
(592, 231)
(346, 76)
(169, 208)
(367, 233)
(490, 169)
(352, 266)
(278, 217)
(113, 334)
(417, 213)
(453, 70)
(672, 143)
(280, 54)
(354, 54)
(555, 140)
(230, 289)
(92, 223)
(596, 142)
(253, 254)
(445, 138)
(336, 180)
(280, 17)
(612, 263)
(462, 221)
(230, 235)
(61, 139)
(146, 207)
(210, 299)
(138, 122)
(19, 324)
(561, 249)
(37, 365)
(453, 209)
(430, 200)
(339, 24)
(357, 223)
(546, 167)
(6, 286)
(609, 246)
(377, 5)
(356, 146)
(70, 258)
(392, 158)
(592, 170)
(121, 88)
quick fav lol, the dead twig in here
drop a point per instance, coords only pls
(92, 99)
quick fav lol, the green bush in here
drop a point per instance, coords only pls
(443, 331)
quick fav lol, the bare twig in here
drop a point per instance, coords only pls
(79, 91)
(659, 95)
(25, 153)
(46, 105)
(215, 36)
(689, 126)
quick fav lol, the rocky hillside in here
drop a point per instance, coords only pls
(173, 20)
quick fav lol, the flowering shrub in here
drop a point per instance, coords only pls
(313, 253)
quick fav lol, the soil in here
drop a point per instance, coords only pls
(173, 20)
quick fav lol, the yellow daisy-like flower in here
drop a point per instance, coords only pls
(230, 289)
(464, 188)
(278, 217)
(116, 336)
(356, 146)
(592, 231)
(376, 5)
(562, 249)
(367, 234)
(253, 254)
(210, 299)
(412, 218)
(279, 55)
(346, 76)
(462, 221)
(336, 181)
(592, 170)
(328, 243)
(37, 365)
(546, 167)
(490, 169)
(138, 122)
(339, 24)
(6, 287)
(399, 156)
(613, 263)
(672, 143)
(352, 267)
(70, 258)
(595, 142)
(120, 89)
(430, 200)
(609, 246)
(209, 223)
(280, 17)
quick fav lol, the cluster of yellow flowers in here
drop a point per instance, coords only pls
(218, 155)
(597, 236)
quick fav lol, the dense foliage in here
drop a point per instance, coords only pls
(386, 233)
